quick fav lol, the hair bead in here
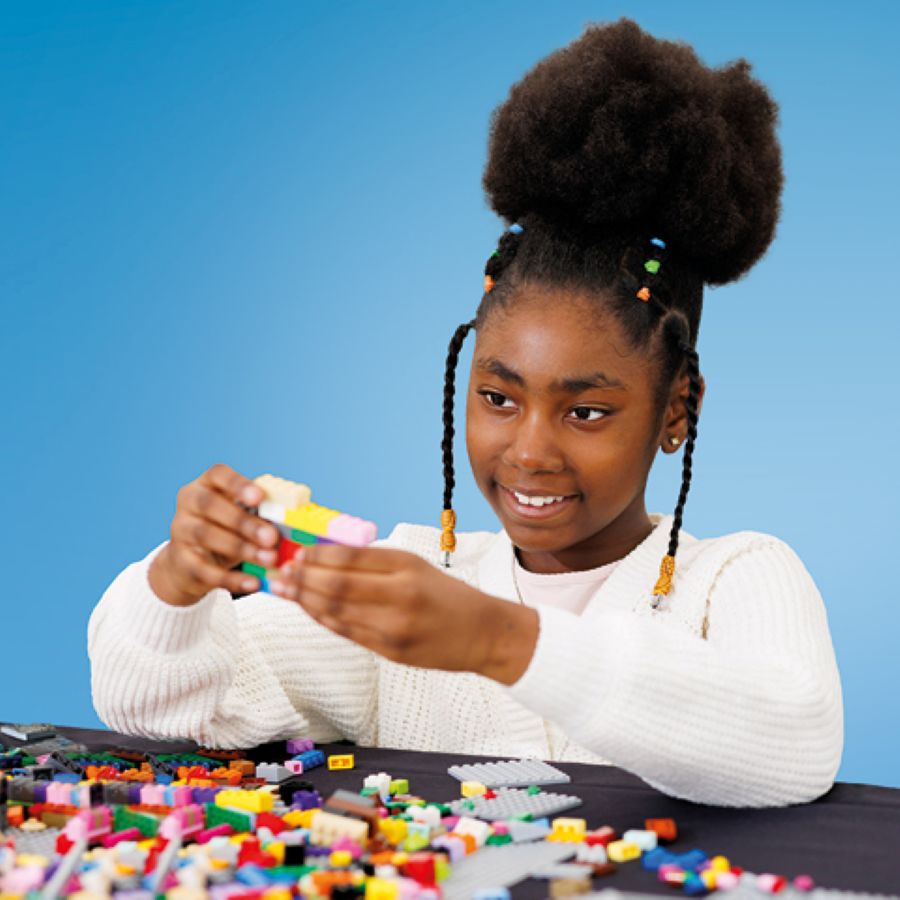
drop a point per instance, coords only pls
(488, 283)
(658, 242)
(664, 582)
(516, 228)
(652, 266)
(643, 294)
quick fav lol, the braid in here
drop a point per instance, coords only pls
(667, 566)
(448, 516)
(693, 367)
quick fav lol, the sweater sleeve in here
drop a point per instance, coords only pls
(752, 716)
(224, 672)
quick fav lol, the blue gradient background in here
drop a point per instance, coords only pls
(245, 232)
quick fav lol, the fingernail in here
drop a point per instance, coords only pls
(266, 556)
(250, 494)
(265, 535)
(278, 587)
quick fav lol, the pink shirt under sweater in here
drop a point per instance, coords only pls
(565, 590)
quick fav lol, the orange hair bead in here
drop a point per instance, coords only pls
(643, 294)
(488, 283)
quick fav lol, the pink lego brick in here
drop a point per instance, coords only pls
(351, 530)
(204, 837)
(294, 765)
(129, 834)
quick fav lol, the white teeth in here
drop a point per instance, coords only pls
(536, 501)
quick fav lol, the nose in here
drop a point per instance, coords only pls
(533, 447)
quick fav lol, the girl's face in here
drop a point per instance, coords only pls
(559, 407)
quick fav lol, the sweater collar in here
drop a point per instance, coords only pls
(632, 579)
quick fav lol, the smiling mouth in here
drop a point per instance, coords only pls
(535, 508)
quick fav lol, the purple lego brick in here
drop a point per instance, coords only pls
(299, 745)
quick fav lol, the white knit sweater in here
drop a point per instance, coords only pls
(728, 694)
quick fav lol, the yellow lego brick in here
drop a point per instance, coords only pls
(275, 893)
(311, 518)
(568, 830)
(340, 858)
(276, 848)
(284, 492)
(395, 830)
(708, 877)
(382, 889)
(24, 860)
(251, 801)
(472, 789)
(341, 761)
(300, 818)
(720, 864)
(622, 851)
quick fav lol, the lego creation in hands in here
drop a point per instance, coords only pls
(302, 523)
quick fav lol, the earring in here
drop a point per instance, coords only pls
(673, 440)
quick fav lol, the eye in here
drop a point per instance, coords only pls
(491, 395)
(588, 410)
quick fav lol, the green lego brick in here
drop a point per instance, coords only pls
(414, 843)
(253, 569)
(303, 537)
(126, 818)
(295, 872)
(498, 839)
(399, 786)
(218, 815)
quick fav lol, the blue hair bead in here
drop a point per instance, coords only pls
(658, 243)
(516, 228)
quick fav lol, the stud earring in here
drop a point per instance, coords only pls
(673, 441)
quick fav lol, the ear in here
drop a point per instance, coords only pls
(675, 421)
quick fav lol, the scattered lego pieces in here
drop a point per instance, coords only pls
(211, 826)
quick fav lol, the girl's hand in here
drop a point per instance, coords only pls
(409, 611)
(210, 534)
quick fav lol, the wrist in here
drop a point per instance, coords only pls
(509, 641)
(159, 577)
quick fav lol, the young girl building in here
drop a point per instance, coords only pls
(630, 175)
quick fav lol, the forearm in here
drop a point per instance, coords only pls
(511, 633)
(221, 672)
(696, 721)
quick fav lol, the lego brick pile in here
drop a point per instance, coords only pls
(213, 824)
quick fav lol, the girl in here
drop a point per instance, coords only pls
(631, 175)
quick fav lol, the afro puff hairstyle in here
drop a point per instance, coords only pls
(613, 140)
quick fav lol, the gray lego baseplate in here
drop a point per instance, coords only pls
(510, 773)
(38, 843)
(513, 802)
(501, 867)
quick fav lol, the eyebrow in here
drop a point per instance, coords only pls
(570, 385)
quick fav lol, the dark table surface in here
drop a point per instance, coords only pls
(849, 839)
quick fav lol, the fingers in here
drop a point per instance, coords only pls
(364, 559)
(198, 574)
(342, 586)
(204, 502)
(205, 534)
(236, 487)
